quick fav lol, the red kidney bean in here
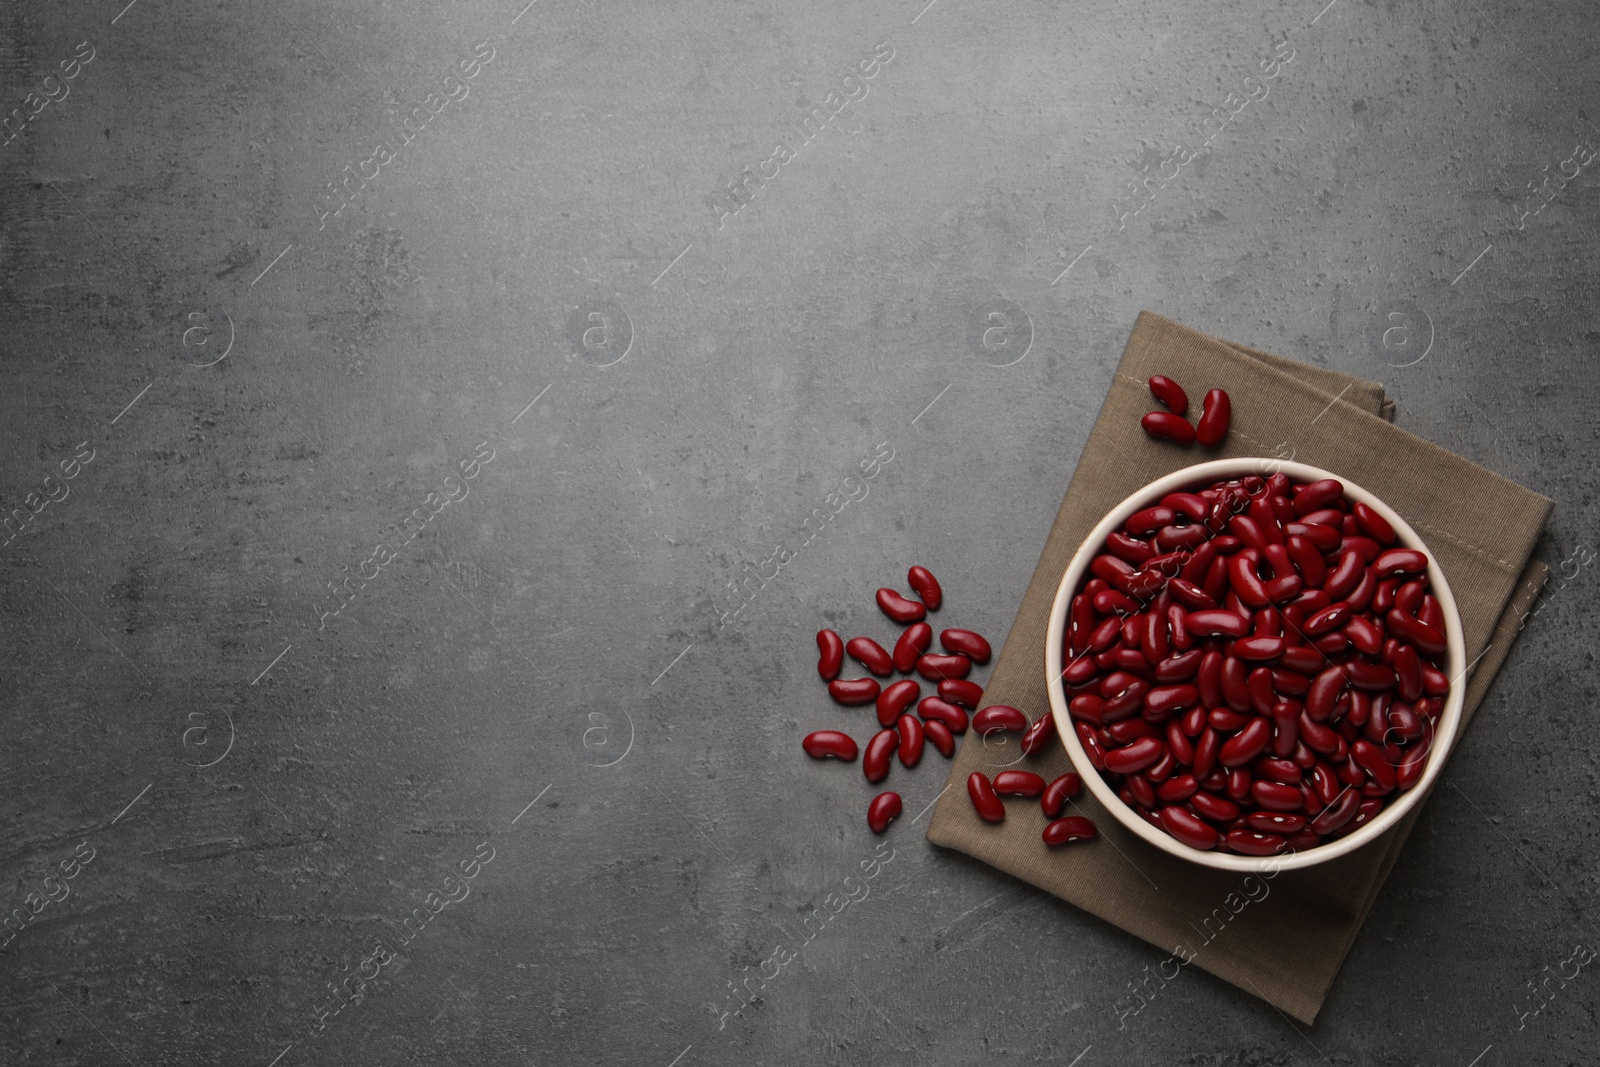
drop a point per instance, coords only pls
(825, 743)
(1018, 784)
(1329, 618)
(1143, 792)
(1338, 813)
(832, 650)
(1114, 602)
(1435, 682)
(1091, 745)
(961, 691)
(1431, 613)
(1244, 581)
(1191, 506)
(1263, 691)
(1371, 759)
(1147, 521)
(1393, 561)
(1179, 747)
(1320, 739)
(1247, 744)
(852, 692)
(1258, 649)
(1275, 822)
(1166, 426)
(1344, 576)
(1285, 728)
(1324, 690)
(1415, 632)
(1411, 767)
(1177, 788)
(1307, 559)
(1088, 707)
(1213, 807)
(898, 607)
(1371, 676)
(1040, 735)
(937, 668)
(1189, 595)
(1252, 843)
(1170, 539)
(1332, 517)
(1303, 659)
(912, 738)
(1167, 698)
(1083, 622)
(1325, 785)
(1215, 416)
(934, 709)
(1058, 792)
(1127, 548)
(1227, 720)
(1169, 393)
(1271, 532)
(1383, 596)
(1216, 622)
(1317, 496)
(1127, 730)
(1248, 530)
(999, 717)
(939, 735)
(1153, 638)
(1134, 757)
(1364, 634)
(1235, 684)
(984, 800)
(926, 586)
(1405, 723)
(1193, 722)
(884, 809)
(1276, 796)
(875, 761)
(1373, 524)
(1408, 597)
(895, 699)
(1188, 828)
(916, 640)
(1284, 771)
(1079, 672)
(1070, 829)
(1322, 538)
(1162, 769)
(970, 644)
(1181, 667)
(1331, 644)
(870, 655)
(1408, 670)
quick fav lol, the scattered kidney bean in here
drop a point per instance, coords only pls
(1169, 393)
(1070, 829)
(960, 691)
(895, 699)
(883, 810)
(911, 740)
(898, 607)
(1215, 415)
(999, 717)
(870, 655)
(934, 709)
(1018, 784)
(1166, 426)
(926, 586)
(832, 650)
(967, 643)
(1039, 736)
(875, 761)
(984, 800)
(1058, 792)
(940, 737)
(917, 639)
(825, 743)
(937, 668)
(852, 692)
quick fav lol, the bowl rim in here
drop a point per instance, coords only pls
(1445, 733)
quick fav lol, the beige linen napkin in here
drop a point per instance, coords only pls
(1287, 946)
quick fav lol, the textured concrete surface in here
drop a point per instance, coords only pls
(258, 708)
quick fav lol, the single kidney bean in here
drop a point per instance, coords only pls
(1247, 744)
(1431, 613)
(1276, 796)
(1408, 597)
(1317, 736)
(1275, 822)
(1167, 698)
(1091, 745)
(999, 717)
(1435, 682)
(1258, 649)
(852, 692)
(1166, 426)
(1018, 784)
(1393, 561)
(1078, 672)
(1370, 676)
(1244, 581)
(1178, 788)
(1324, 691)
(1285, 728)
(917, 639)
(875, 761)
(898, 607)
(1329, 618)
(1248, 530)
(1322, 538)
(1408, 670)
(912, 738)
(1209, 679)
(1326, 517)
(1114, 602)
(1134, 757)
(1058, 792)
(1303, 659)
(1083, 622)
(1178, 744)
(832, 650)
(1169, 393)
(1415, 632)
(1213, 807)
(1128, 548)
(1039, 735)
(1344, 576)
(1188, 828)
(1337, 813)
(1206, 750)
(961, 691)
(1364, 634)
(1253, 843)
(939, 735)
(1227, 720)
(1153, 638)
(1070, 829)
(1193, 721)
(970, 644)
(1215, 416)
(937, 668)
(926, 586)
(1216, 622)
(1411, 767)
(1149, 520)
(984, 800)
(1365, 547)
(884, 809)
(1308, 559)
(1317, 496)
(1189, 595)
(1373, 760)
(1372, 524)
(1383, 595)
(1143, 792)
(1162, 769)
(825, 743)
(1181, 667)
(1405, 723)
(1191, 506)
(1263, 691)
(871, 655)
(933, 709)
(1088, 707)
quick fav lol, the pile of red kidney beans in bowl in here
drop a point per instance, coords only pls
(938, 717)
(1256, 666)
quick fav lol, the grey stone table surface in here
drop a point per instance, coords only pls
(398, 395)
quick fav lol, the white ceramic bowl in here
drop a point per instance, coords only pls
(1197, 476)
